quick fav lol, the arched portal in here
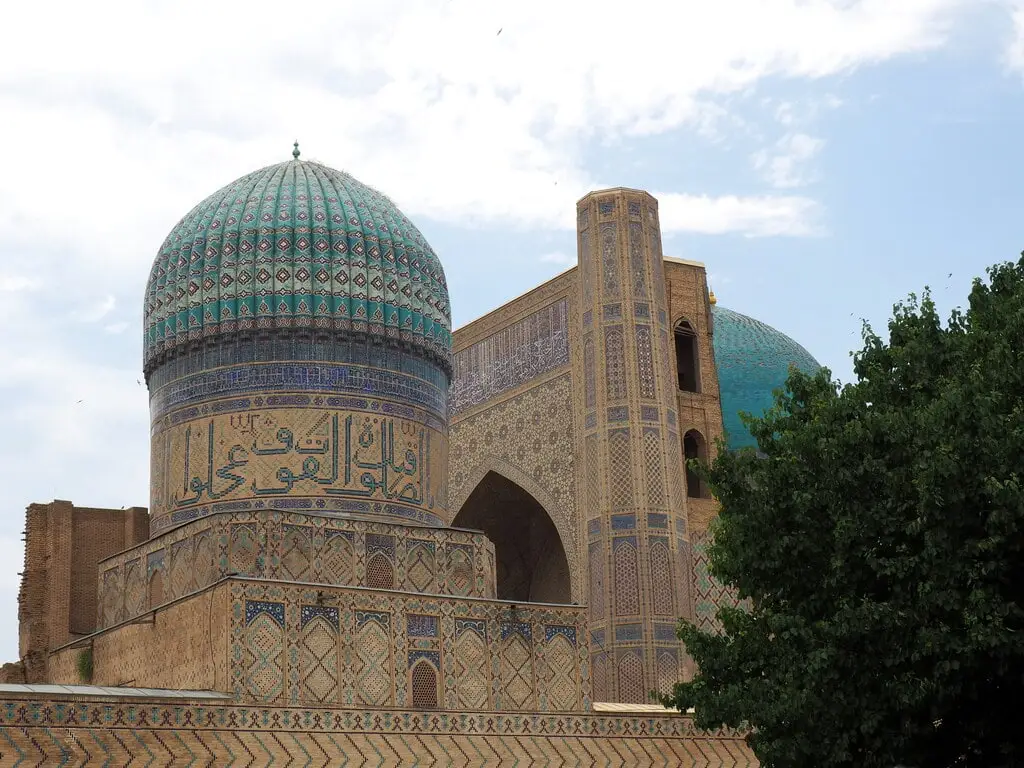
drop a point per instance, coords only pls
(531, 562)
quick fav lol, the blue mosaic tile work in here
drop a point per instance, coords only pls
(310, 612)
(420, 625)
(657, 520)
(618, 413)
(434, 657)
(623, 522)
(514, 355)
(594, 526)
(649, 412)
(553, 630)
(523, 628)
(379, 542)
(471, 625)
(384, 619)
(316, 504)
(612, 312)
(290, 347)
(753, 360)
(318, 378)
(628, 632)
(254, 608)
(665, 633)
(155, 561)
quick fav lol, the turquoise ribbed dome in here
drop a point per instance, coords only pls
(753, 359)
(296, 245)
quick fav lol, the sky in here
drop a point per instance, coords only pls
(823, 158)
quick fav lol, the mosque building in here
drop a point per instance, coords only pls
(368, 535)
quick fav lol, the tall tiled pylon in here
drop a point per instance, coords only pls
(635, 508)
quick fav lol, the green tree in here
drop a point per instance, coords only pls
(877, 538)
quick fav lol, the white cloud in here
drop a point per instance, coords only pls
(418, 97)
(786, 165)
(560, 259)
(1015, 49)
(752, 216)
(95, 311)
(11, 283)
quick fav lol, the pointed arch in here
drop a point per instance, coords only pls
(687, 355)
(554, 512)
(423, 684)
(530, 546)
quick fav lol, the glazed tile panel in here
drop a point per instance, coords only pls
(752, 360)
(296, 245)
(511, 357)
(295, 547)
(115, 732)
(361, 648)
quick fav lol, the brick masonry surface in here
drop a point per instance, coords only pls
(295, 547)
(67, 732)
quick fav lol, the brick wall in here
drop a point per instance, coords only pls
(184, 646)
(63, 546)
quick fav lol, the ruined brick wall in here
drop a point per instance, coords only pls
(95, 535)
(58, 594)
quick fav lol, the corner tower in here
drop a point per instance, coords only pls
(638, 551)
(298, 354)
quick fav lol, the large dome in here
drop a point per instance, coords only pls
(296, 245)
(753, 360)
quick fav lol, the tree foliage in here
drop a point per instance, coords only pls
(878, 539)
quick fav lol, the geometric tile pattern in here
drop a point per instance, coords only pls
(709, 593)
(318, 655)
(527, 435)
(263, 651)
(472, 673)
(511, 357)
(559, 655)
(374, 670)
(631, 504)
(631, 679)
(117, 733)
(319, 644)
(311, 548)
(661, 578)
(296, 245)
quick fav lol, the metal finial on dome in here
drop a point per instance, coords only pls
(711, 298)
(295, 151)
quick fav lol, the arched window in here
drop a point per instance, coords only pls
(694, 447)
(687, 360)
(424, 686)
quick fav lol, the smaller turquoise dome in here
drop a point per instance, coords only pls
(753, 360)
